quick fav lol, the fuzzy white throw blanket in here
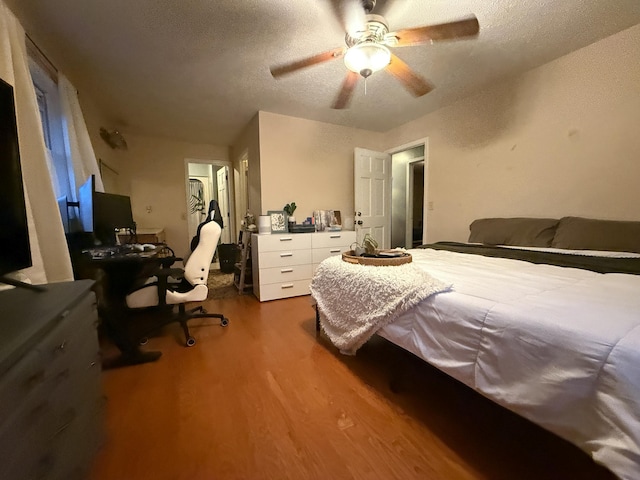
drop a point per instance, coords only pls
(355, 301)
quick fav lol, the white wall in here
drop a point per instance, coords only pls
(310, 163)
(155, 171)
(114, 181)
(559, 140)
(247, 145)
(562, 139)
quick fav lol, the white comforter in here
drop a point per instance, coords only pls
(560, 346)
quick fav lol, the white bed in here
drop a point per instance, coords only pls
(559, 346)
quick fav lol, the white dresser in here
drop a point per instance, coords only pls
(283, 264)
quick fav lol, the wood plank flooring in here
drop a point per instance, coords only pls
(265, 399)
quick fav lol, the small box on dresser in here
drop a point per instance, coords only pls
(283, 264)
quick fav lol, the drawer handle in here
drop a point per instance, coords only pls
(334, 236)
(288, 285)
(286, 270)
(286, 239)
(68, 417)
(61, 348)
(286, 255)
(337, 250)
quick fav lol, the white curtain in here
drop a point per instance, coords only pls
(77, 143)
(49, 252)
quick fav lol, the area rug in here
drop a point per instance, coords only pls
(221, 285)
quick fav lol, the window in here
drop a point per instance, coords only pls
(48, 99)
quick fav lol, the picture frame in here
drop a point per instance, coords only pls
(278, 221)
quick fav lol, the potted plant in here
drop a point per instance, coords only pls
(289, 208)
(369, 246)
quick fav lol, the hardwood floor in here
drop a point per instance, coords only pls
(265, 399)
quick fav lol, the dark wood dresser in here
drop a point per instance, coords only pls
(51, 401)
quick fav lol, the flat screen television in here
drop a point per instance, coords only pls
(15, 253)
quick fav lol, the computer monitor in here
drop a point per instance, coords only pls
(63, 206)
(86, 194)
(102, 213)
(111, 212)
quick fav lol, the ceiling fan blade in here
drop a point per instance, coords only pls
(468, 27)
(351, 15)
(413, 82)
(307, 62)
(346, 91)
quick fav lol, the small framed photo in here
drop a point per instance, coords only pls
(278, 221)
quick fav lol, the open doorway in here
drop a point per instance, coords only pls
(208, 181)
(408, 189)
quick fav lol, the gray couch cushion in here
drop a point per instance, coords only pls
(523, 232)
(578, 233)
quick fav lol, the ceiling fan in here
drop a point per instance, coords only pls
(367, 48)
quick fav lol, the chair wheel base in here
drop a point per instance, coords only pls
(190, 342)
(224, 322)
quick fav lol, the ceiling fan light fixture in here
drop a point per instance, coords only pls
(366, 58)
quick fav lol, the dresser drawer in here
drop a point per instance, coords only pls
(74, 328)
(20, 382)
(296, 241)
(333, 239)
(319, 254)
(285, 274)
(67, 458)
(65, 392)
(274, 291)
(284, 258)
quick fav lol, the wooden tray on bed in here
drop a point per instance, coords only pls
(377, 261)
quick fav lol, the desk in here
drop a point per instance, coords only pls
(116, 271)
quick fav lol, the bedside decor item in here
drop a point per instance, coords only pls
(319, 220)
(264, 224)
(369, 246)
(301, 228)
(367, 253)
(384, 258)
(278, 221)
(249, 219)
(289, 208)
(327, 220)
(335, 220)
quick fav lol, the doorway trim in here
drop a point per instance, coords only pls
(230, 184)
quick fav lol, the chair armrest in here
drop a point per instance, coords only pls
(169, 272)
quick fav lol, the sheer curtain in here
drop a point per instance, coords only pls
(49, 252)
(82, 161)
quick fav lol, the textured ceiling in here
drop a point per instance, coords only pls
(199, 70)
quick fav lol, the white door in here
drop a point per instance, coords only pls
(223, 202)
(372, 188)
